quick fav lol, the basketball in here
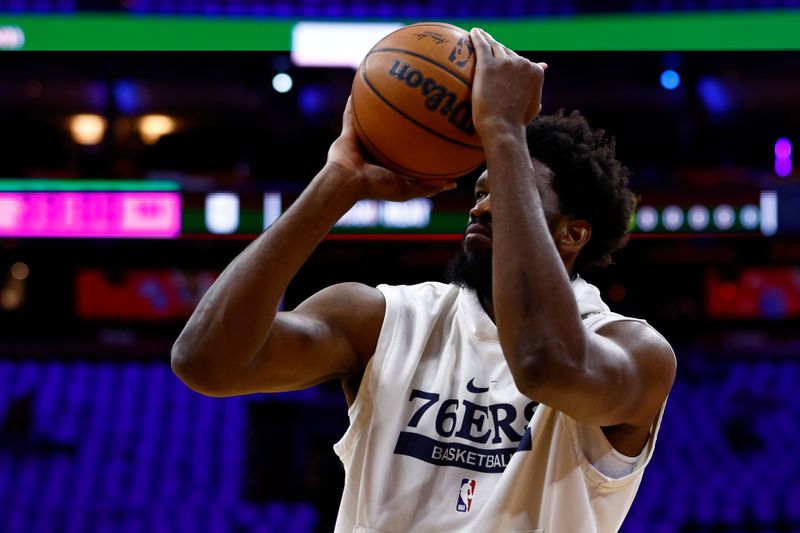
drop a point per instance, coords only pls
(412, 107)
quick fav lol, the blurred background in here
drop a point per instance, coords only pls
(144, 144)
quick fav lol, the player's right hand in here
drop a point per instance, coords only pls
(507, 90)
(374, 181)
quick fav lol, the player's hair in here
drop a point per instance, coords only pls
(591, 183)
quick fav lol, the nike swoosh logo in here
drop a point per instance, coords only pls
(472, 388)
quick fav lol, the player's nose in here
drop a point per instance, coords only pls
(482, 208)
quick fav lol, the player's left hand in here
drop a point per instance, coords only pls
(507, 89)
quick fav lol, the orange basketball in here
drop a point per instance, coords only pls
(412, 102)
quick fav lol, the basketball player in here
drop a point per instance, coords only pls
(512, 399)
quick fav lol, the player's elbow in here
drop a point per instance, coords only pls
(186, 367)
(188, 364)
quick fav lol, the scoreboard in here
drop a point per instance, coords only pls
(83, 208)
(159, 209)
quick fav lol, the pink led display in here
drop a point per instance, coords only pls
(90, 214)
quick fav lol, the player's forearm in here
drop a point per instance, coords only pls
(536, 313)
(234, 317)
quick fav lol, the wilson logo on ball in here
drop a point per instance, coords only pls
(437, 96)
(412, 102)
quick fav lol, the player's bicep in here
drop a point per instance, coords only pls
(330, 335)
(300, 352)
(629, 375)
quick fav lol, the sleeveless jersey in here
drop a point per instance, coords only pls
(441, 440)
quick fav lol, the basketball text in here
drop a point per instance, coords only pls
(437, 96)
(435, 419)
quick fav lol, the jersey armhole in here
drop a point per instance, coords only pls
(372, 372)
(601, 462)
(607, 466)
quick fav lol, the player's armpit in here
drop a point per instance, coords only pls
(330, 335)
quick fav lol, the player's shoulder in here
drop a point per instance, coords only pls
(645, 345)
(345, 301)
(427, 287)
(345, 295)
(635, 333)
(420, 293)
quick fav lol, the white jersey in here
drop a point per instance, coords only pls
(441, 440)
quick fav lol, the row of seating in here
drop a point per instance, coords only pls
(400, 8)
(162, 517)
(725, 459)
(126, 446)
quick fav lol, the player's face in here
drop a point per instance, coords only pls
(472, 268)
(478, 234)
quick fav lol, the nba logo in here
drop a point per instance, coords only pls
(465, 495)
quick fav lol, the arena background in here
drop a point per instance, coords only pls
(114, 222)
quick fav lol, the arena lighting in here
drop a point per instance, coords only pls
(749, 217)
(647, 218)
(222, 212)
(783, 148)
(11, 38)
(783, 157)
(363, 214)
(335, 44)
(670, 79)
(672, 217)
(153, 127)
(20, 271)
(411, 214)
(311, 99)
(126, 95)
(724, 217)
(282, 82)
(12, 296)
(783, 167)
(272, 208)
(768, 205)
(87, 129)
(698, 217)
(414, 213)
(714, 94)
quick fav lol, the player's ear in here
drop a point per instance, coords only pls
(572, 235)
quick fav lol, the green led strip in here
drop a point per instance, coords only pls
(739, 30)
(155, 33)
(46, 185)
(763, 30)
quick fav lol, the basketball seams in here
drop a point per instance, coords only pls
(386, 160)
(388, 104)
(424, 58)
(413, 120)
(434, 24)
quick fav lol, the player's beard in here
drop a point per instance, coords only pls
(472, 270)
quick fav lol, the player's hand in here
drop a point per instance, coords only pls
(507, 89)
(374, 181)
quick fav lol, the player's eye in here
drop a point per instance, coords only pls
(480, 195)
